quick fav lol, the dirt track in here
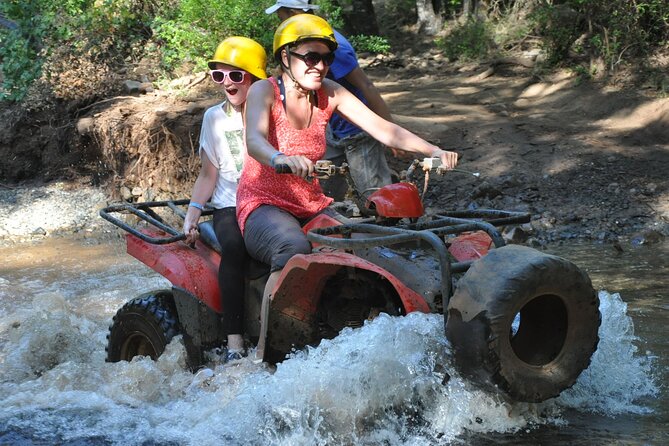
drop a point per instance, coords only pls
(587, 161)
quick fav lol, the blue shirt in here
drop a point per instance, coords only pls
(345, 61)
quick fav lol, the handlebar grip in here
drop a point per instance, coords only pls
(282, 168)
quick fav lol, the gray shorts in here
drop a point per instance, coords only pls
(273, 236)
(366, 158)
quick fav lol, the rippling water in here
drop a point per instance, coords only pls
(381, 384)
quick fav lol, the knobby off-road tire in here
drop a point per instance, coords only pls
(142, 327)
(557, 333)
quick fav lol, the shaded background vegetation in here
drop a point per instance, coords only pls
(74, 49)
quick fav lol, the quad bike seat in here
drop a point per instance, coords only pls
(254, 268)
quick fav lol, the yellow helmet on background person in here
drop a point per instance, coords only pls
(241, 52)
(303, 27)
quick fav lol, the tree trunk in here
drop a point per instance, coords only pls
(469, 8)
(429, 21)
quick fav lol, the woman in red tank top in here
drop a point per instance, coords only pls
(285, 124)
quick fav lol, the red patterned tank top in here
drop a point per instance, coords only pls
(260, 184)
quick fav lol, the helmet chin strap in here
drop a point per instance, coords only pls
(296, 85)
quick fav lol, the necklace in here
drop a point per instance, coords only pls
(304, 116)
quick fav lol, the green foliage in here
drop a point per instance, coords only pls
(468, 41)
(191, 32)
(331, 12)
(610, 29)
(114, 32)
(559, 28)
(370, 44)
(20, 66)
(56, 35)
(18, 48)
(104, 30)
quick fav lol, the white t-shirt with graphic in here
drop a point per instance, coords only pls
(222, 139)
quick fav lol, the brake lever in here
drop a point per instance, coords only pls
(324, 169)
(430, 164)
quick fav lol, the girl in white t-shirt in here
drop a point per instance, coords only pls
(237, 63)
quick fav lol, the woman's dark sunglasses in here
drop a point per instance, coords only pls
(312, 58)
(236, 77)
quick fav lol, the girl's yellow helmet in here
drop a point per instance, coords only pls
(243, 53)
(303, 27)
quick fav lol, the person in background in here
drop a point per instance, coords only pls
(346, 141)
(238, 62)
(286, 119)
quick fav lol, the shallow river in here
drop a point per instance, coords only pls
(378, 385)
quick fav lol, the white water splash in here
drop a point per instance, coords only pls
(380, 384)
(618, 374)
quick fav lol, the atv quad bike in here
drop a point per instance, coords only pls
(518, 320)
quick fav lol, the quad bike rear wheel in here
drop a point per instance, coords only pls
(524, 322)
(142, 327)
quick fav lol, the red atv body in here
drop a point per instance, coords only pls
(520, 320)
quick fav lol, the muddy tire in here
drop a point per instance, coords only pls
(350, 301)
(142, 327)
(524, 322)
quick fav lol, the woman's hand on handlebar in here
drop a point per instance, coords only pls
(448, 159)
(190, 225)
(298, 164)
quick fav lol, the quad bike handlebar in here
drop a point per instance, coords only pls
(144, 211)
(323, 169)
(434, 165)
(444, 223)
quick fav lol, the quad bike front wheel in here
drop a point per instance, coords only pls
(142, 327)
(524, 322)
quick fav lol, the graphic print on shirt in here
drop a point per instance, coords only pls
(236, 146)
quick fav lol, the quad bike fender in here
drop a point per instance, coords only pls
(320, 221)
(192, 269)
(398, 200)
(301, 283)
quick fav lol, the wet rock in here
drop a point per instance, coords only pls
(516, 235)
(485, 190)
(647, 237)
(543, 222)
(650, 189)
(131, 86)
(126, 193)
(85, 126)
(613, 188)
(39, 231)
(533, 243)
(146, 87)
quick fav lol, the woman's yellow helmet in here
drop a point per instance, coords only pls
(303, 27)
(243, 53)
